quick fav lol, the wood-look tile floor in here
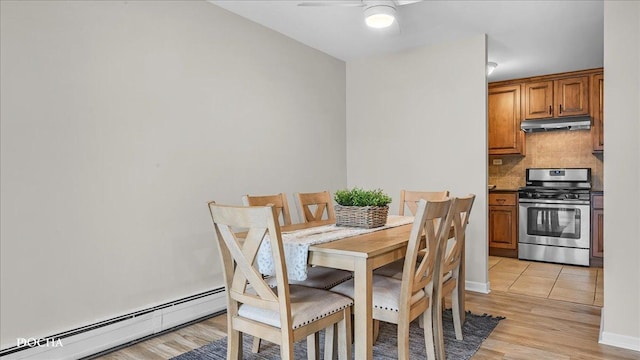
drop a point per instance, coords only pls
(551, 281)
(553, 322)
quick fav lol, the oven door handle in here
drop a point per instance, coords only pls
(546, 201)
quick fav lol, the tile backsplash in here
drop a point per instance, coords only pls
(554, 149)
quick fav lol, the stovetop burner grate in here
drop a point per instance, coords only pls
(557, 184)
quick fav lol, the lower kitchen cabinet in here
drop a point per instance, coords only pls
(503, 224)
(597, 222)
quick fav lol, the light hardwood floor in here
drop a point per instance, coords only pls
(537, 326)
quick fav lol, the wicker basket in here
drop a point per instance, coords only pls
(361, 216)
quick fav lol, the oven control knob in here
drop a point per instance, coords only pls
(571, 196)
(536, 195)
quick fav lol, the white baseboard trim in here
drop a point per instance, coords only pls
(621, 341)
(109, 336)
(478, 287)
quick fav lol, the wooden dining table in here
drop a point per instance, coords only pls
(362, 254)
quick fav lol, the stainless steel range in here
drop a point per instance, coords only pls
(554, 216)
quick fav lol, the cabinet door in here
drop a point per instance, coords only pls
(597, 243)
(597, 106)
(538, 100)
(505, 136)
(503, 229)
(571, 96)
(597, 225)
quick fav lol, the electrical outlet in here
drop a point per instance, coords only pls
(497, 161)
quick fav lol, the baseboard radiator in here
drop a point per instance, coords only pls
(97, 339)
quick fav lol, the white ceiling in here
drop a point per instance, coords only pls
(525, 38)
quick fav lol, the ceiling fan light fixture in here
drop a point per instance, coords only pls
(379, 16)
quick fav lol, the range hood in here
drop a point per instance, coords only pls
(567, 123)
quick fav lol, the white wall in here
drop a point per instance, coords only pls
(417, 120)
(621, 312)
(119, 121)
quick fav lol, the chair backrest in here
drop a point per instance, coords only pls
(322, 203)
(238, 258)
(451, 251)
(431, 220)
(279, 201)
(410, 199)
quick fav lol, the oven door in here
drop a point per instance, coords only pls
(549, 222)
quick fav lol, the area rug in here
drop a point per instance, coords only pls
(476, 328)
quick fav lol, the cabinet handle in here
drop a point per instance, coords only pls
(501, 200)
(560, 108)
(550, 110)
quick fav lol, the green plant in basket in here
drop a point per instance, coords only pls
(361, 208)
(361, 197)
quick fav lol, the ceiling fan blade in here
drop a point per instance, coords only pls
(346, 3)
(406, 2)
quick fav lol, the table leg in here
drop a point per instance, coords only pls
(363, 306)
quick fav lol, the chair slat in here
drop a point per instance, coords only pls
(321, 201)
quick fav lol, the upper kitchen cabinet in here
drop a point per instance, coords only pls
(566, 96)
(597, 106)
(538, 100)
(571, 96)
(505, 136)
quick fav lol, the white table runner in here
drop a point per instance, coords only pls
(296, 245)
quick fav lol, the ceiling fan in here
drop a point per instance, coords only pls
(378, 14)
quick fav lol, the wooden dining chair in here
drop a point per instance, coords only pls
(409, 199)
(400, 301)
(315, 206)
(317, 277)
(448, 269)
(282, 315)
(279, 201)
